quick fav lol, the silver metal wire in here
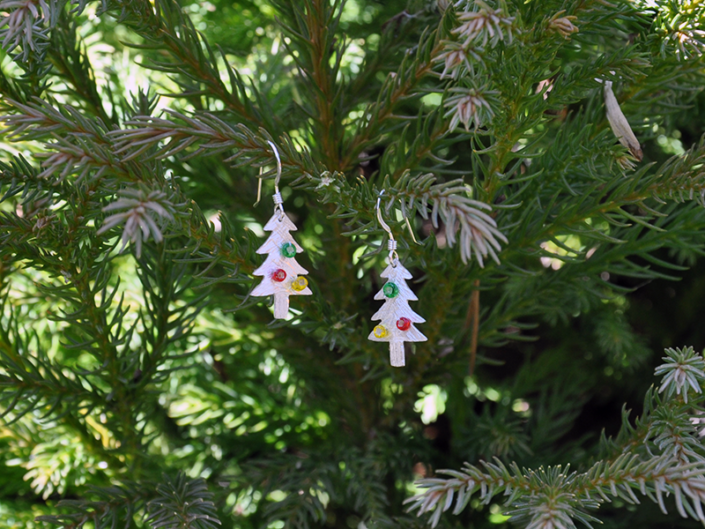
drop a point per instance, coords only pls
(259, 186)
(279, 166)
(277, 197)
(391, 243)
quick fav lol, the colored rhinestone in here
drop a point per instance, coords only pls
(299, 283)
(278, 275)
(288, 249)
(380, 331)
(403, 324)
(390, 290)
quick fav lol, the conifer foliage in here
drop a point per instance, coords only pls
(541, 165)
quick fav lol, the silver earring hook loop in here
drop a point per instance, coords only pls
(259, 186)
(279, 166)
(278, 200)
(391, 243)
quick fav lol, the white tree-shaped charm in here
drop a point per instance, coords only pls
(396, 319)
(281, 275)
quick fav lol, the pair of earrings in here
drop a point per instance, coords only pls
(284, 277)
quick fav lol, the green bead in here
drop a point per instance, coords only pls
(288, 249)
(390, 290)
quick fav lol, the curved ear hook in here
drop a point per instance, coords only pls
(277, 197)
(279, 166)
(391, 243)
(259, 186)
(379, 216)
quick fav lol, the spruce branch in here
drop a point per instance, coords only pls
(192, 61)
(668, 460)
(563, 25)
(468, 106)
(684, 372)
(182, 504)
(416, 148)
(398, 87)
(69, 56)
(538, 497)
(175, 503)
(479, 22)
(79, 142)
(108, 507)
(211, 135)
(30, 381)
(318, 57)
(24, 26)
(463, 217)
(140, 207)
(682, 178)
(84, 144)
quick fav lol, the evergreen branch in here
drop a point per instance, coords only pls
(79, 141)
(30, 381)
(462, 217)
(365, 486)
(32, 384)
(103, 332)
(165, 280)
(415, 145)
(607, 201)
(165, 26)
(141, 206)
(182, 504)
(314, 34)
(309, 482)
(23, 26)
(303, 482)
(397, 87)
(210, 135)
(103, 514)
(531, 292)
(478, 231)
(110, 507)
(551, 497)
(72, 64)
(684, 370)
(85, 145)
(17, 90)
(682, 177)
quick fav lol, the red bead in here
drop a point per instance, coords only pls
(278, 275)
(403, 324)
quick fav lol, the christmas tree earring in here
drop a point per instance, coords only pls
(282, 275)
(397, 318)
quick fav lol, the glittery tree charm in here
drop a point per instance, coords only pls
(282, 275)
(397, 318)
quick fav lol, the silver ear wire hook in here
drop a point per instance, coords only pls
(259, 186)
(279, 166)
(278, 201)
(391, 243)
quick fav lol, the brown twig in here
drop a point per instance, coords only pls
(473, 318)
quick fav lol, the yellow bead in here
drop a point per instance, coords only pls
(380, 331)
(299, 283)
